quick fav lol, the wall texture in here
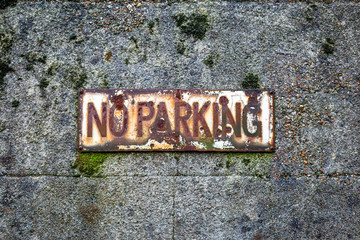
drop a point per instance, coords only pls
(308, 52)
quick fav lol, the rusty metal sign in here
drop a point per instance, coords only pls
(176, 120)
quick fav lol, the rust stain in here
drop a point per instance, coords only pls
(108, 55)
(176, 120)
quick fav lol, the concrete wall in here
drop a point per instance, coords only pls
(308, 52)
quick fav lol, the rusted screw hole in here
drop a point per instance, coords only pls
(228, 129)
(161, 124)
(223, 100)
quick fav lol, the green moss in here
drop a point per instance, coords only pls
(180, 19)
(6, 41)
(15, 103)
(2, 126)
(309, 13)
(104, 84)
(245, 161)
(194, 25)
(309, 18)
(210, 60)
(151, 25)
(219, 165)
(33, 57)
(230, 156)
(314, 7)
(51, 70)
(145, 57)
(180, 48)
(41, 42)
(127, 61)
(44, 83)
(72, 36)
(89, 163)
(249, 156)
(251, 81)
(328, 47)
(209, 144)
(77, 77)
(29, 67)
(7, 3)
(228, 163)
(42, 59)
(253, 164)
(258, 174)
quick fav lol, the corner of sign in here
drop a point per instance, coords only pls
(80, 148)
(81, 91)
(272, 148)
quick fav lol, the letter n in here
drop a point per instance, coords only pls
(93, 115)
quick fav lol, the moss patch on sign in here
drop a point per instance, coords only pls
(209, 144)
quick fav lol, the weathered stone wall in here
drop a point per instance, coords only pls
(308, 53)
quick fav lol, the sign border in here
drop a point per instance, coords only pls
(80, 148)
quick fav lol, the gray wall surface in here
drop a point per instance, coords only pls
(308, 52)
